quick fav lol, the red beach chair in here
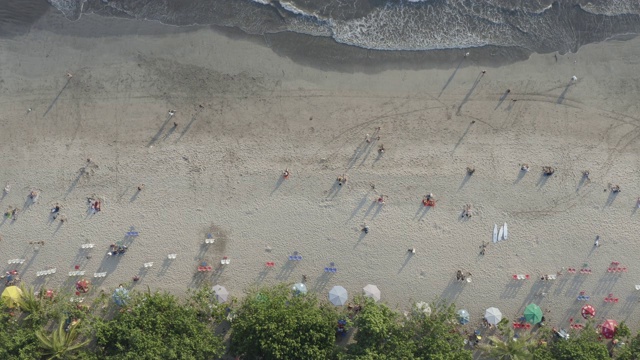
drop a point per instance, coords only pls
(515, 277)
(527, 277)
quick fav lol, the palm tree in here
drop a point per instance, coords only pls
(29, 302)
(509, 349)
(60, 343)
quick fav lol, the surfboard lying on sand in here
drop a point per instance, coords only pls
(506, 232)
(495, 233)
(501, 233)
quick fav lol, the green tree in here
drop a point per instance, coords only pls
(156, 326)
(508, 349)
(61, 343)
(583, 345)
(380, 334)
(436, 336)
(17, 339)
(272, 323)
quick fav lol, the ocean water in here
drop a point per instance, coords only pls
(535, 25)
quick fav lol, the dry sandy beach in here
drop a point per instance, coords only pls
(245, 113)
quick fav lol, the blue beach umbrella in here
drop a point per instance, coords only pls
(463, 316)
(338, 295)
(121, 296)
(299, 288)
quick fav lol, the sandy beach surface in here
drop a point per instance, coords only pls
(245, 113)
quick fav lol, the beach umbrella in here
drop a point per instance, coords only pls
(463, 316)
(609, 328)
(120, 296)
(299, 288)
(424, 307)
(372, 291)
(338, 295)
(533, 314)
(493, 315)
(11, 295)
(588, 311)
(222, 295)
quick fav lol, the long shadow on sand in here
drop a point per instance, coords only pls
(564, 94)
(466, 98)
(502, 98)
(453, 74)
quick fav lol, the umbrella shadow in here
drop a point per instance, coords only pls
(262, 275)
(286, 270)
(511, 290)
(605, 284)
(166, 263)
(453, 74)
(321, 282)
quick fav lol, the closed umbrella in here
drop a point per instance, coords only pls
(493, 315)
(533, 314)
(338, 295)
(11, 295)
(423, 307)
(372, 291)
(588, 311)
(222, 295)
(609, 328)
(120, 296)
(463, 316)
(299, 288)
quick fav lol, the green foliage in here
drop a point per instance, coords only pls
(61, 343)
(384, 334)
(436, 336)
(156, 326)
(274, 324)
(507, 347)
(622, 331)
(17, 340)
(582, 345)
(380, 334)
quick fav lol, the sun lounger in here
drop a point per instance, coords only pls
(87, 246)
(132, 233)
(147, 265)
(101, 274)
(16, 261)
(209, 241)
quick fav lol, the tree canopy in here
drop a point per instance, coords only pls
(157, 326)
(276, 324)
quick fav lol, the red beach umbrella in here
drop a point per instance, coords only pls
(609, 328)
(588, 311)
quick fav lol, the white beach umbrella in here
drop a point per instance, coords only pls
(338, 295)
(222, 295)
(424, 307)
(493, 315)
(372, 291)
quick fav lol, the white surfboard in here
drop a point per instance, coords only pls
(506, 232)
(501, 233)
(495, 233)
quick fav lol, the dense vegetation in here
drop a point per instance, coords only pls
(273, 323)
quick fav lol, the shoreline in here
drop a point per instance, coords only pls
(263, 112)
